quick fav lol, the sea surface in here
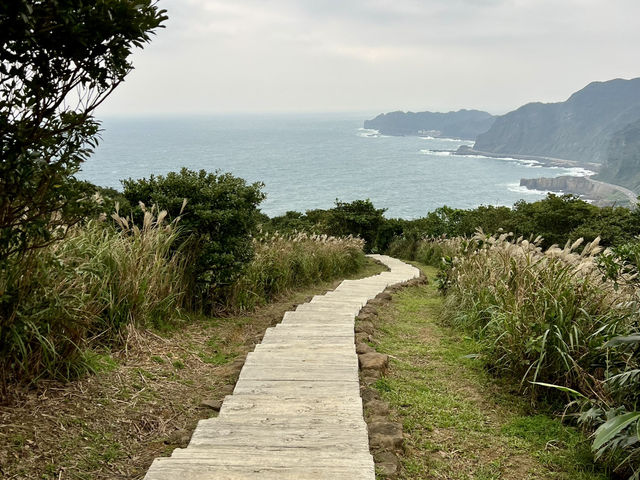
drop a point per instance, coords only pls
(309, 161)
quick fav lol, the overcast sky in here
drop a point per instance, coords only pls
(219, 56)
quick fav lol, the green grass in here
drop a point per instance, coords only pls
(100, 361)
(462, 424)
(178, 364)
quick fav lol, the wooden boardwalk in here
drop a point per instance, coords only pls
(296, 411)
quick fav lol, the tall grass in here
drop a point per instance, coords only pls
(284, 262)
(105, 277)
(85, 291)
(551, 318)
(430, 251)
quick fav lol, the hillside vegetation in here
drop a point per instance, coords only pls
(579, 128)
(622, 163)
(563, 323)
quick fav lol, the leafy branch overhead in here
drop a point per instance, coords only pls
(58, 62)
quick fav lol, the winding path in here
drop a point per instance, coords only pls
(296, 411)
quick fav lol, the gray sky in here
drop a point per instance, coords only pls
(219, 56)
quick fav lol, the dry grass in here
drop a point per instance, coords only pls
(283, 262)
(553, 318)
(85, 291)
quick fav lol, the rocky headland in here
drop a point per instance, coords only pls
(464, 124)
(599, 193)
(597, 128)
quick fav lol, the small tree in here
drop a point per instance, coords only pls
(59, 60)
(359, 218)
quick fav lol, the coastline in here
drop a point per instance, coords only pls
(590, 191)
(544, 161)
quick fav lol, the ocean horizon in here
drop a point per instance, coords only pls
(308, 161)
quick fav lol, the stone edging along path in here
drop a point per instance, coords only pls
(296, 411)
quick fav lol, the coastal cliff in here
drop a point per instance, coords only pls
(580, 129)
(464, 124)
(600, 193)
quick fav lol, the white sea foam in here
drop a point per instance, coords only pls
(522, 161)
(369, 133)
(452, 153)
(529, 163)
(446, 139)
(437, 153)
(517, 188)
(579, 172)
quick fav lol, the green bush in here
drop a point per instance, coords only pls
(218, 216)
(359, 218)
(85, 291)
(283, 262)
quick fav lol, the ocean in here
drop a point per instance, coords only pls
(309, 161)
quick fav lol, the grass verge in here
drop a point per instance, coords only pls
(459, 422)
(142, 404)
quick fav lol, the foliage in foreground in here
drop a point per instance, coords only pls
(550, 318)
(87, 290)
(58, 62)
(217, 219)
(283, 262)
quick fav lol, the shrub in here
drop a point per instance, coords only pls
(359, 218)
(283, 262)
(217, 219)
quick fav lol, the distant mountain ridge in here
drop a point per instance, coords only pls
(597, 127)
(465, 124)
(581, 128)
